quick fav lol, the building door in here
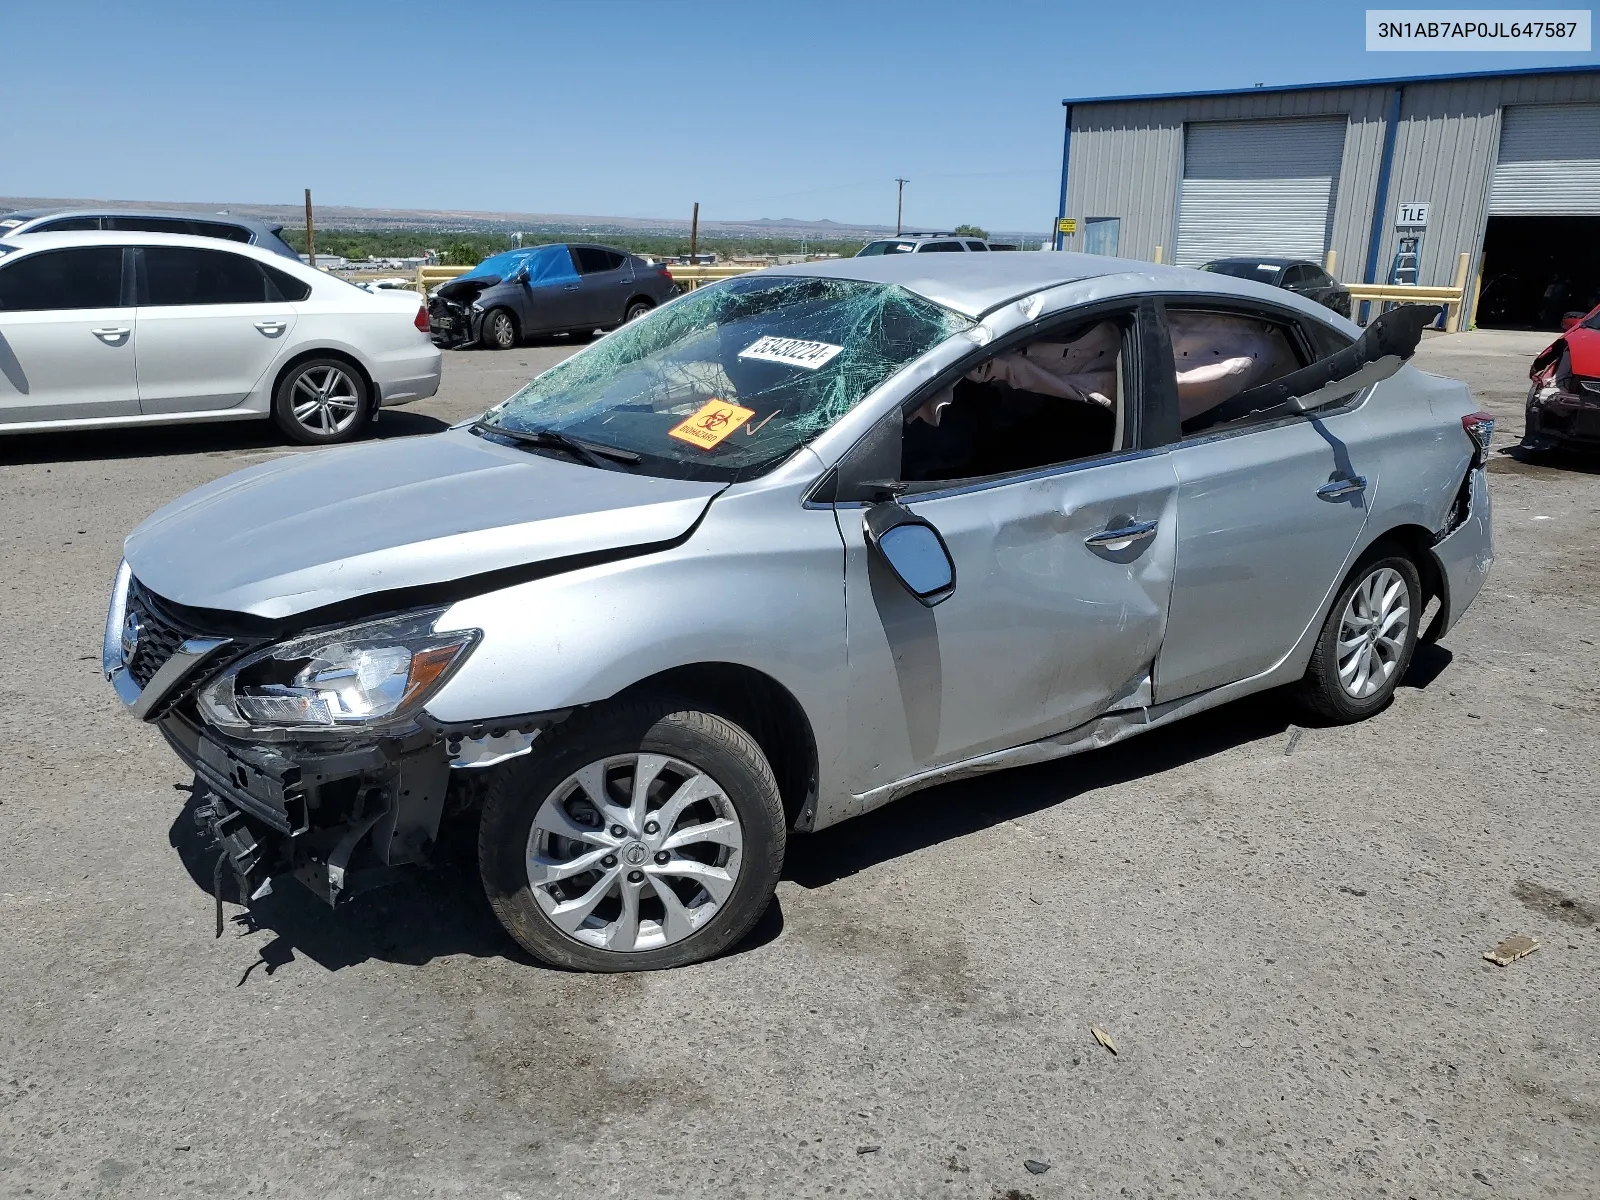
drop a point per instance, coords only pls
(1541, 251)
(1258, 188)
(1101, 235)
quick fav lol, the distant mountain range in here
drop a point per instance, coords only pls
(346, 217)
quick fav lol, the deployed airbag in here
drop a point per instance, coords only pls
(1083, 368)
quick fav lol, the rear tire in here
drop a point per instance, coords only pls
(665, 885)
(636, 310)
(498, 331)
(321, 402)
(1367, 641)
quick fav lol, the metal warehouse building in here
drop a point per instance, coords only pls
(1507, 165)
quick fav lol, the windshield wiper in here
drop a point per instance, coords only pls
(587, 452)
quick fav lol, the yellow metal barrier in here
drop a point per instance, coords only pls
(431, 277)
(689, 278)
(1453, 297)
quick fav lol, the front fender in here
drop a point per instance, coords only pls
(760, 584)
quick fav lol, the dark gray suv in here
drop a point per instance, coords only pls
(230, 229)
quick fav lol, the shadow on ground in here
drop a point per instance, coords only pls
(1519, 460)
(430, 914)
(443, 912)
(161, 441)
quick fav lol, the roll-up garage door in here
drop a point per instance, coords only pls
(1258, 187)
(1549, 161)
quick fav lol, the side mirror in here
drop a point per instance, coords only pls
(913, 550)
(1570, 320)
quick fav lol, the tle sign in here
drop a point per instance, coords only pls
(711, 423)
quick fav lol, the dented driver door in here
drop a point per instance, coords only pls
(1062, 583)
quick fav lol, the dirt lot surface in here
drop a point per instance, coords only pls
(1285, 946)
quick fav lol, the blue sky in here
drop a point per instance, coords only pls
(627, 107)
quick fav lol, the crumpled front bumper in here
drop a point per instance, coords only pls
(451, 324)
(1562, 413)
(339, 819)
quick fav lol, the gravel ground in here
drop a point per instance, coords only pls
(1285, 947)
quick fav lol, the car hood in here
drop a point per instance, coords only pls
(313, 529)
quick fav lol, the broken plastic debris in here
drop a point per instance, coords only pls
(1035, 1167)
(1294, 740)
(1513, 948)
(868, 1149)
(1104, 1038)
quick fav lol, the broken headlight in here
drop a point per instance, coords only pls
(339, 680)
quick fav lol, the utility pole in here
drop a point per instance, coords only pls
(694, 231)
(311, 237)
(899, 204)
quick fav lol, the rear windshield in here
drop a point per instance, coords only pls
(732, 378)
(890, 247)
(1245, 270)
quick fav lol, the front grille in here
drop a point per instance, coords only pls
(159, 636)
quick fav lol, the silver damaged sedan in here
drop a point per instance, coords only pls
(789, 548)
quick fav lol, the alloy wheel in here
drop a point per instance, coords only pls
(325, 400)
(1373, 632)
(634, 852)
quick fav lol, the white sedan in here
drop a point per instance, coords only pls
(100, 329)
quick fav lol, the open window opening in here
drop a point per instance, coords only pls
(1052, 400)
(1218, 355)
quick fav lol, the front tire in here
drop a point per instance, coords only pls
(638, 835)
(499, 331)
(322, 401)
(1367, 641)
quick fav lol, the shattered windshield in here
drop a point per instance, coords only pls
(731, 378)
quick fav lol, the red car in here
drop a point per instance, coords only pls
(1564, 401)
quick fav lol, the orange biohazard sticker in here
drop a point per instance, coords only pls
(713, 422)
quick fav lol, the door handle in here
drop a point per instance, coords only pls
(571, 287)
(110, 334)
(271, 326)
(1342, 487)
(1121, 539)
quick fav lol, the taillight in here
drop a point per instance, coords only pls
(1480, 428)
(422, 320)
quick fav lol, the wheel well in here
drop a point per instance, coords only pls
(764, 709)
(1417, 543)
(373, 399)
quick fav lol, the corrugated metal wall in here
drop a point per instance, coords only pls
(1127, 160)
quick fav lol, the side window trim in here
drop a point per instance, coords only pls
(1146, 418)
(1299, 338)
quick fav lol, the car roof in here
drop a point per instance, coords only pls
(977, 284)
(1264, 259)
(130, 237)
(32, 214)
